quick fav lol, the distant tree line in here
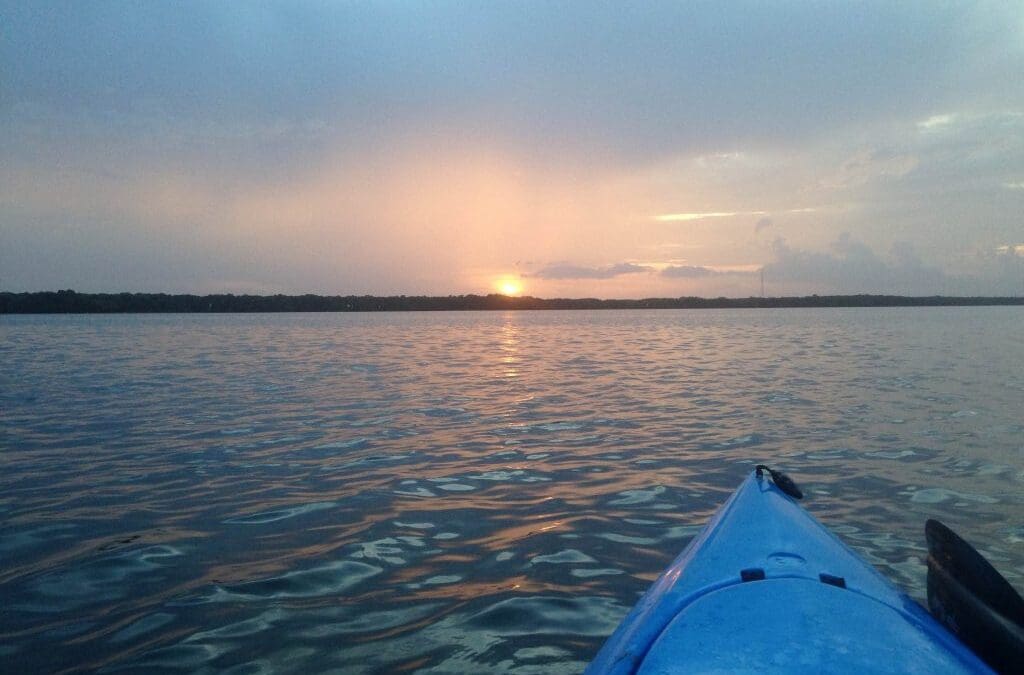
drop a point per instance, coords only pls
(70, 302)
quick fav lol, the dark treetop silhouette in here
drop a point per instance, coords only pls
(70, 302)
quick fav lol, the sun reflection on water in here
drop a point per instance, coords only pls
(509, 346)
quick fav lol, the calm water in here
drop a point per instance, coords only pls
(461, 492)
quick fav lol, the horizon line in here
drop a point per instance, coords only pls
(71, 291)
(71, 302)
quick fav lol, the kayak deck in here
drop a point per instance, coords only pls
(765, 588)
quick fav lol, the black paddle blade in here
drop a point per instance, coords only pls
(970, 598)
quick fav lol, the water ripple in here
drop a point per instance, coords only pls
(460, 492)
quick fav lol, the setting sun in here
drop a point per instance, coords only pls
(509, 286)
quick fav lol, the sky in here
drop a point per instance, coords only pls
(555, 149)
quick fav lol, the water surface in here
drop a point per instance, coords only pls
(461, 492)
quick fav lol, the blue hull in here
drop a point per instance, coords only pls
(766, 588)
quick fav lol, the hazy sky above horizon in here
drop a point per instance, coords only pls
(579, 148)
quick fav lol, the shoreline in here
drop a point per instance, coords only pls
(71, 302)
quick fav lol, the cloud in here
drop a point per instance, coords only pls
(1015, 250)
(570, 271)
(762, 224)
(704, 271)
(687, 217)
(378, 70)
(688, 272)
(936, 122)
(872, 164)
(853, 267)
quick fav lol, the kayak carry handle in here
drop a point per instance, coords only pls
(781, 480)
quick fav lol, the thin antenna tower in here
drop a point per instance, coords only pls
(762, 282)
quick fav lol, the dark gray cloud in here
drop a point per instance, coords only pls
(570, 271)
